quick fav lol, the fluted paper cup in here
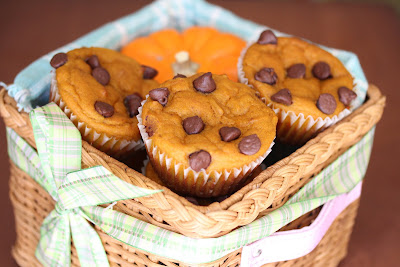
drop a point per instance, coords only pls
(112, 146)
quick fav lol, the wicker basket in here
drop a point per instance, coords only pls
(32, 204)
(268, 191)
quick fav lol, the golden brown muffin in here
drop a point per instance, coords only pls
(292, 75)
(101, 90)
(205, 133)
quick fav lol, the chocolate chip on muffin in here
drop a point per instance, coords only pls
(101, 75)
(199, 160)
(58, 60)
(104, 109)
(346, 96)
(93, 61)
(283, 96)
(229, 133)
(296, 71)
(267, 37)
(132, 103)
(193, 125)
(321, 70)
(160, 95)
(205, 83)
(149, 72)
(250, 145)
(266, 75)
(326, 103)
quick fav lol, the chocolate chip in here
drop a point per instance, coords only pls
(229, 133)
(267, 37)
(321, 70)
(179, 76)
(250, 145)
(149, 72)
(283, 96)
(160, 95)
(132, 103)
(205, 83)
(104, 109)
(58, 60)
(93, 61)
(101, 75)
(326, 103)
(296, 71)
(266, 75)
(346, 95)
(193, 125)
(199, 160)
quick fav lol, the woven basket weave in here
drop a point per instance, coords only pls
(268, 191)
(32, 204)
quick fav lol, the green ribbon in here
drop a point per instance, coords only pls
(59, 148)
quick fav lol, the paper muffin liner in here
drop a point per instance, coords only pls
(297, 129)
(292, 128)
(112, 146)
(187, 181)
(148, 171)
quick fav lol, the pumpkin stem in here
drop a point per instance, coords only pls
(183, 64)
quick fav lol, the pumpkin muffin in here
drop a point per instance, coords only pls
(206, 133)
(306, 86)
(100, 90)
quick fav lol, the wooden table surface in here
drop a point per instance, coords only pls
(29, 29)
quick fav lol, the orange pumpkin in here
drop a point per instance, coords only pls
(197, 49)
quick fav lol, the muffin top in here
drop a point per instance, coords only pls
(297, 76)
(103, 88)
(208, 122)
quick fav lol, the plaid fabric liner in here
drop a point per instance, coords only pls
(80, 191)
(31, 85)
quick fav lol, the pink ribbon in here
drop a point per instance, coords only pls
(288, 245)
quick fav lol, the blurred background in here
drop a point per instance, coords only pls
(371, 29)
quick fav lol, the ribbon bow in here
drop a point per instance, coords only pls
(59, 171)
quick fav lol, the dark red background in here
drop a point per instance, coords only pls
(29, 29)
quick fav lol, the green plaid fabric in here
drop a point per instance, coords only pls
(79, 193)
(95, 186)
(56, 167)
